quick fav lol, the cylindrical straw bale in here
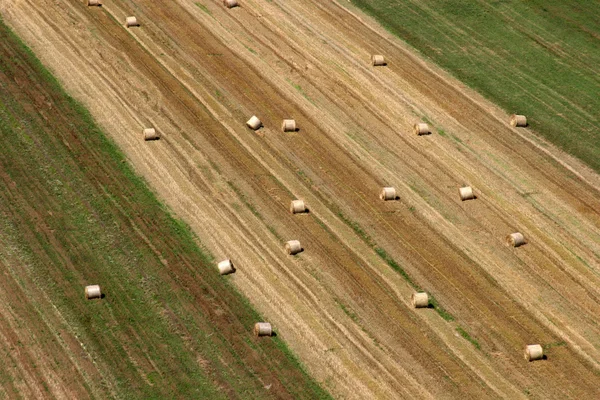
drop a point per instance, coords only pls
(293, 247)
(420, 300)
(226, 267)
(151, 134)
(534, 352)
(518, 120)
(422, 129)
(131, 21)
(387, 193)
(466, 193)
(378, 60)
(254, 123)
(93, 292)
(288, 125)
(230, 3)
(515, 239)
(94, 2)
(263, 329)
(297, 206)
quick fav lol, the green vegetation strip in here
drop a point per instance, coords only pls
(76, 213)
(539, 58)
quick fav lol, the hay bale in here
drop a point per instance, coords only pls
(518, 120)
(534, 352)
(263, 329)
(466, 193)
(226, 267)
(230, 3)
(254, 123)
(378, 60)
(93, 292)
(297, 207)
(94, 2)
(293, 247)
(151, 134)
(131, 21)
(387, 193)
(288, 125)
(515, 239)
(422, 129)
(420, 300)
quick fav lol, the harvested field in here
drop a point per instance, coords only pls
(73, 213)
(196, 71)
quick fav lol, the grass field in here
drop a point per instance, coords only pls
(73, 213)
(539, 58)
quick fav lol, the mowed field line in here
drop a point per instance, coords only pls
(74, 213)
(314, 175)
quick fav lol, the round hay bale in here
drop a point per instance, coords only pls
(515, 239)
(387, 193)
(94, 3)
(293, 247)
(422, 129)
(288, 125)
(151, 134)
(131, 21)
(534, 352)
(226, 267)
(263, 329)
(93, 292)
(297, 207)
(420, 300)
(518, 120)
(230, 3)
(378, 60)
(254, 123)
(466, 193)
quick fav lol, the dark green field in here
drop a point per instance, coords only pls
(72, 213)
(540, 58)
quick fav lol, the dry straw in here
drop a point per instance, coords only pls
(254, 123)
(518, 120)
(422, 128)
(263, 329)
(288, 125)
(387, 193)
(515, 239)
(420, 300)
(226, 267)
(93, 292)
(534, 352)
(131, 21)
(466, 193)
(230, 3)
(94, 3)
(297, 207)
(293, 247)
(378, 60)
(151, 134)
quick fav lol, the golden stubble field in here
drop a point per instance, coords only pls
(198, 71)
